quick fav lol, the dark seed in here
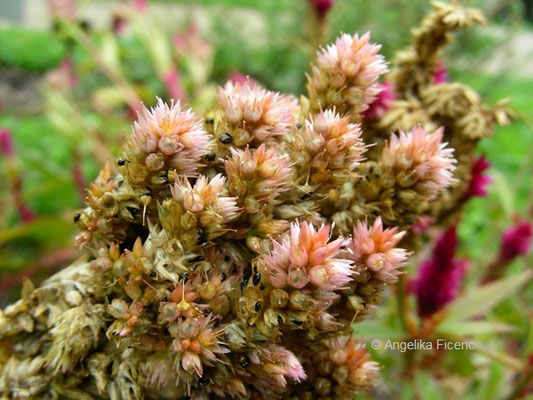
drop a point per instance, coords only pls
(196, 259)
(262, 286)
(203, 381)
(211, 157)
(77, 217)
(257, 278)
(257, 307)
(121, 162)
(226, 138)
(224, 276)
(244, 283)
(245, 363)
(209, 120)
(297, 322)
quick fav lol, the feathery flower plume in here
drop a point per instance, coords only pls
(422, 158)
(346, 75)
(6, 143)
(516, 241)
(322, 7)
(307, 256)
(253, 115)
(439, 278)
(478, 181)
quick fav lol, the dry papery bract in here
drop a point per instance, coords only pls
(230, 255)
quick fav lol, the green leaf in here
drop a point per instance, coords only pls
(468, 328)
(482, 299)
(368, 330)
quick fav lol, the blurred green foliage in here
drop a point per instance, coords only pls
(29, 49)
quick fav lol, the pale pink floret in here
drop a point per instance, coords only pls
(174, 132)
(206, 195)
(276, 363)
(264, 113)
(353, 62)
(334, 140)
(197, 343)
(374, 248)
(305, 257)
(424, 156)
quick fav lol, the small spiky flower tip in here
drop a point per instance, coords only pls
(305, 257)
(346, 75)
(429, 162)
(228, 257)
(253, 115)
(327, 150)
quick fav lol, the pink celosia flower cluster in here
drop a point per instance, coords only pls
(231, 254)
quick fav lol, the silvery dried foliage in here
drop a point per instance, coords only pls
(227, 256)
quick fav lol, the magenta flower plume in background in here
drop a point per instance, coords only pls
(140, 5)
(322, 7)
(440, 75)
(6, 143)
(241, 79)
(516, 241)
(439, 278)
(479, 181)
(382, 103)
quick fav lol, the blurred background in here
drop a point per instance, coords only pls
(74, 73)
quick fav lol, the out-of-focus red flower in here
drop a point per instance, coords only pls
(382, 103)
(173, 84)
(439, 278)
(440, 74)
(6, 143)
(516, 241)
(479, 181)
(140, 5)
(241, 79)
(322, 7)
